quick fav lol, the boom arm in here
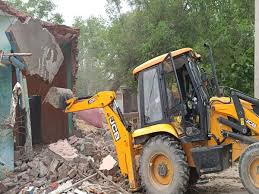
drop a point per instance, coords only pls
(121, 136)
(100, 100)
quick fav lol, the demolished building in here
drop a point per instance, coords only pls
(53, 63)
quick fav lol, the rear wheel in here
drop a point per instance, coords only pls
(163, 166)
(249, 168)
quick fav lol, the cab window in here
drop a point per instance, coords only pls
(152, 99)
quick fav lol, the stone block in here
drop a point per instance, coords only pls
(54, 165)
(72, 173)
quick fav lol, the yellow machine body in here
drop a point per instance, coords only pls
(224, 107)
(126, 142)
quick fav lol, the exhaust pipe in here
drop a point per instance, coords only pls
(213, 69)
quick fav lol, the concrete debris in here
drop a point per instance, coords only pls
(58, 96)
(77, 191)
(39, 183)
(3, 188)
(62, 187)
(53, 186)
(66, 167)
(108, 163)
(28, 190)
(63, 171)
(64, 149)
(72, 173)
(53, 166)
(18, 163)
(72, 140)
(47, 56)
(42, 169)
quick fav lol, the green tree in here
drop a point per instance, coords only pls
(91, 74)
(155, 27)
(41, 9)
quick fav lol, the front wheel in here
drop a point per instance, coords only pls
(163, 166)
(249, 168)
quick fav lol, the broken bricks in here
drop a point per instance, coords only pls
(72, 173)
(43, 170)
(108, 163)
(60, 169)
(64, 149)
(63, 171)
(54, 166)
(3, 188)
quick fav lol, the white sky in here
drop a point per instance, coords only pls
(85, 8)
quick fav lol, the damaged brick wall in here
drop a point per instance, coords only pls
(54, 123)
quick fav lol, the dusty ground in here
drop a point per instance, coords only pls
(52, 165)
(220, 183)
(226, 182)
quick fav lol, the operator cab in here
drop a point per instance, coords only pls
(170, 90)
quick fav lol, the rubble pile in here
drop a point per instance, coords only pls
(84, 163)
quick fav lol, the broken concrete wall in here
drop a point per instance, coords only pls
(54, 123)
(47, 56)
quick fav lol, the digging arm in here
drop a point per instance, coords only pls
(120, 133)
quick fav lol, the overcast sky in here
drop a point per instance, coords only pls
(85, 8)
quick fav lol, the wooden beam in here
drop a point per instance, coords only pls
(17, 54)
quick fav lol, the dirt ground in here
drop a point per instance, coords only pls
(225, 182)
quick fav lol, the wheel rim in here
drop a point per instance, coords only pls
(161, 169)
(254, 171)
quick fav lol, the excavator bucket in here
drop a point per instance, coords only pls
(57, 97)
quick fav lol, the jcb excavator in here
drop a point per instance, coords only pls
(184, 131)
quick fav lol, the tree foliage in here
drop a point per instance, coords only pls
(111, 48)
(41, 9)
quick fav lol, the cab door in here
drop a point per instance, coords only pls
(185, 111)
(150, 99)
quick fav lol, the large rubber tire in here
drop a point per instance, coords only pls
(169, 147)
(249, 174)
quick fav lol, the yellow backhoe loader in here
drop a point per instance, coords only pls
(184, 131)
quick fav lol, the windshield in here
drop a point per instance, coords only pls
(152, 101)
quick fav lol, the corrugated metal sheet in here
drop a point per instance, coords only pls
(54, 123)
